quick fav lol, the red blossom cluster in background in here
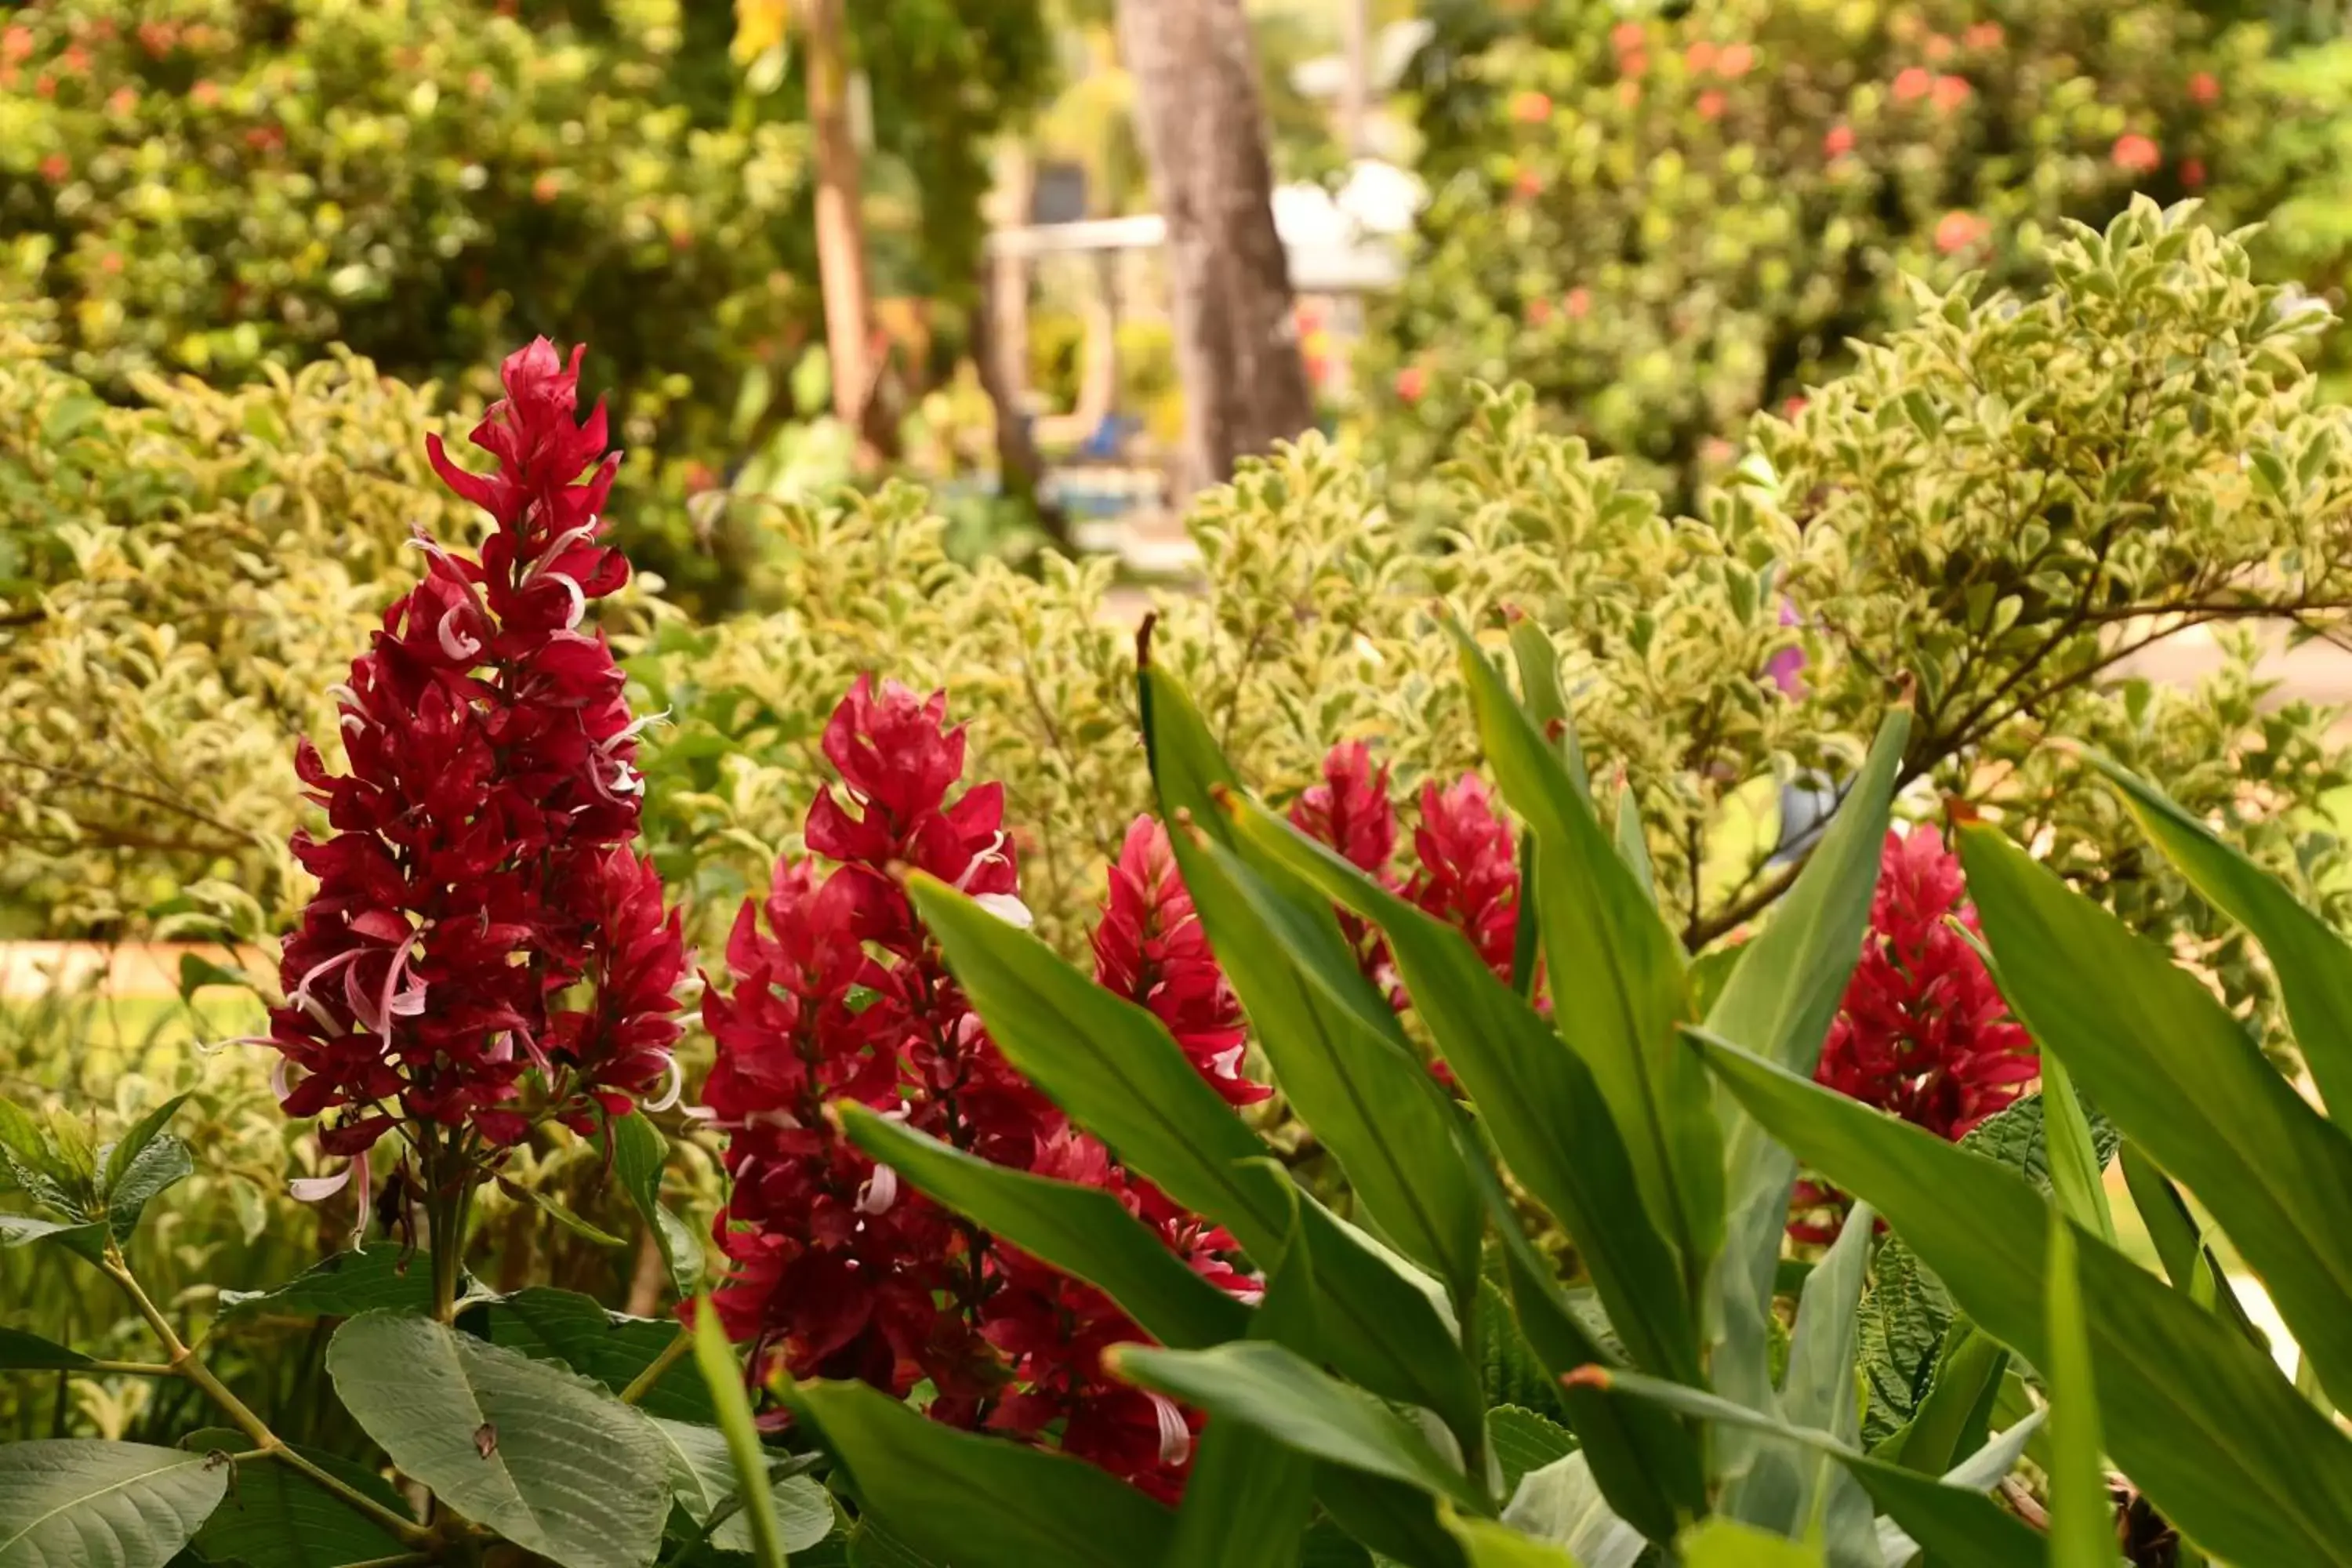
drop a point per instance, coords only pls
(479, 866)
(1922, 1032)
(839, 1270)
(1464, 870)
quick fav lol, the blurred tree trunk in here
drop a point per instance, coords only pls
(1203, 133)
(849, 339)
(1000, 345)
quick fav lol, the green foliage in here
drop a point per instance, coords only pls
(1667, 222)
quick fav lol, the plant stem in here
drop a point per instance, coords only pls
(186, 1363)
(126, 1369)
(672, 1354)
(450, 1201)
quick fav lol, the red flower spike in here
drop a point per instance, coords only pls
(1922, 1032)
(478, 867)
(1151, 949)
(1468, 874)
(839, 1269)
(1350, 811)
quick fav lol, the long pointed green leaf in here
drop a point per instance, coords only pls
(2201, 1420)
(1114, 1068)
(1247, 1500)
(1272, 1388)
(2177, 1074)
(2075, 1178)
(2313, 962)
(980, 1502)
(1370, 1099)
(1545, 700)
(1779, 1002)
(2082, 1519)
(1616, 974)
(1957, 1524)
(715, 1358)
(2172, 1230)
(1534, 1095)
(1083, 1231)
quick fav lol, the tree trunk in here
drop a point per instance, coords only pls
(1203, 132)
(840, 227)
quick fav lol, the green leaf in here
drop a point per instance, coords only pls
(1632, 846)
(980, 1502)
(27, 1157)
(547, 1459)
(1082, 1231)
(723, 1378)
(2183, 1080)
(1957, 1408)
(157, 1167)
(198, 973)
(562, 1216)
(1536, 1097)
(2313, 962)
(2074, 1167)
(703, 1482)
(1493, 1545)
(276, 1517)
(124, 1156)
(2172, 1230)
(1546, 702)
(61, 1498)
(1599, 926)
(21, 1351)
(1369, 1099)
(1779, 1002)
(1562, 1504)
(1721, 1543)
(1273, 1389)
(1522, 1441)
(1114, 1068)
(342, 1285)
(2200, 1419)
(1952, 1517)
(639, 1153)
(579, 1332)
(1248, 1499)
(88, 1240)
(2081, 1518)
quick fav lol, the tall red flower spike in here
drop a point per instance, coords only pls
(1468, 871)
(839, 1269)
(1152, 950)
(1922, 1032)
(479, 865)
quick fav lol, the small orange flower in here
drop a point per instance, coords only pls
(1913, 83)
(2136, 154)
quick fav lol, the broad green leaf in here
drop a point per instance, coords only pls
(2200, 1419)
(1779, 1002)
(1951, 1517)
(21, 1351)
(1721, 1543)
(125, 1153)
(1522, 1441)
(1272, 1388)
(2313, 962)
(1248, 1499)
(344, 1286)
(197, 972)
(547, 1459)
(1114, 1068)
(1957, 1408)
(1369, 1097)
(723, 1379)
(1509, 1370)
(276, 1517)
(639, 1153)
(1082, 1231)
(1632, 846)
(577, 1331)
(702, 1481)
(1536, 1098)
(25, 1156)
(160, 1166)
(2082, 1519)
(980, 1502)
(1400, 1524)
(87, 1240)
(2167, 1063)
(1493, 1545)
(1616, 975)
(1562, 1505)
(61, 1498)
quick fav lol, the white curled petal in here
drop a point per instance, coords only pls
(676, 1089)
(311, 1189)
(1006, 907)
(1175, 1437)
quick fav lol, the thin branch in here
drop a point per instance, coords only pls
(672, 1354)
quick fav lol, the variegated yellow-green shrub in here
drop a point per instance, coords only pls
(1998, 505)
